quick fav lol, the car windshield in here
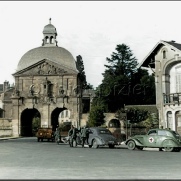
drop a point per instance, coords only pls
(104, 131)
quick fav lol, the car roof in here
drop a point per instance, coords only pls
(160, 129)
(98, 128)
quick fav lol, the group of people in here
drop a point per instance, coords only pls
(73, 133)
(83, 133)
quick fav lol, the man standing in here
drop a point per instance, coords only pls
(84, 135)
(72, 135)
(57, 135)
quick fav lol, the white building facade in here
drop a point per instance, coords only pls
(165, 61)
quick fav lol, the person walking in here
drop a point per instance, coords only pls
(84, 135)
(57, 135)
(72, 136)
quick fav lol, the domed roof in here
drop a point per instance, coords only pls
(58, 55)
(49, 29)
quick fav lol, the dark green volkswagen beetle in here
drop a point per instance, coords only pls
(164, 139)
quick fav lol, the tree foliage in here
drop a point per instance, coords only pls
(152, 121)
(134, 115)
(36, 123)
(124, 82)
(81, 76)
(96, 116)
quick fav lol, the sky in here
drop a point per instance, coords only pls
(91, 29)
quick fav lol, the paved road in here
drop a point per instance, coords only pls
(25, 158)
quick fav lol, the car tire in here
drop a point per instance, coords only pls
(131, 145)
(168, 149)
(94, 144)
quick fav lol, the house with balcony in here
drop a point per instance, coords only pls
(165, 62)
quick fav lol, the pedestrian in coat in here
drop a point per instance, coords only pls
(84, 135)
(57, 135)
(72, 136)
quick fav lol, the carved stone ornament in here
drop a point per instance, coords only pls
(34, 89)
(45, 68)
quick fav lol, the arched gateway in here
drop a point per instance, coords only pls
(46, 83)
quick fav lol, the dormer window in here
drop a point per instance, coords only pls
(164, 54)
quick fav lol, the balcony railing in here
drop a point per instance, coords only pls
(172, 99)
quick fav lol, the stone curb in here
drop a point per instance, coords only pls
(7, 138)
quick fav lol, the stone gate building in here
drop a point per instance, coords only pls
(46, 83)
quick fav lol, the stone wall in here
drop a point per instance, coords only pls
(6, 127)
(10, 128)
(119, 133)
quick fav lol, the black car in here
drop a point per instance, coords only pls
(99, 137)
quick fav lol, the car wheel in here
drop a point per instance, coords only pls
(168, 149)
(131, 145)
(139, 147)
(94, 144)
(111, 146)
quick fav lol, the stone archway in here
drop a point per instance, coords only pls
(54, 117)
(26, 121)
(114, 123)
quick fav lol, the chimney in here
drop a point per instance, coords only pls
(6, 85)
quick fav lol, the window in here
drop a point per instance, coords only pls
(62, 114)
(66, 113)
(162, 133)
(152, 132)
(178, 79)
(164, 54)
(104, 131)
(51, 39)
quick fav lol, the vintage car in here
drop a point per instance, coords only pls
(98, 136)
(45, 133)
(164, 139)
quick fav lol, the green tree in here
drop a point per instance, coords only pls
(117, 77)
(148, 83)
(124, 82)
(134, 115)
(152, 121)
(96, 116)
(36, 123)
(81, 75)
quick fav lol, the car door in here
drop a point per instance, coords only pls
(162, 135)
(150, 140)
